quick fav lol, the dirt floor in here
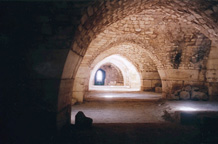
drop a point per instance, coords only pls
(120, 112)
(122, 96)
(125, 122)
(143, 118)
(137, 112)
(133, 134)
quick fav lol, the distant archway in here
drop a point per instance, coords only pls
(92, 27)
(99, 77)
(131, 76)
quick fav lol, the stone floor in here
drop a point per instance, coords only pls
(118, 111)
(134, 134)
(141, 122)
(136, 119)
(122, 96)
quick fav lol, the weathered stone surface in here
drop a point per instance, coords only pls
(180, 41)
(158, 89)
(81, 121)
(196, 95)
(156, 83)
(193, 93)
(78, 95)
(80, 86)
(184, 95)
(213, 90)
(177, 92)
(90, 11)
(195, 89)
(84, 19)
(188, 88)
(173, 34)
(113, 75)
(147, 83)
(71, 65)
(168, 116)
(74, 101)
(174, 97)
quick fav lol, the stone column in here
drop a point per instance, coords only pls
(65, 89)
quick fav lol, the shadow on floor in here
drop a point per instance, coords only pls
(133, 134)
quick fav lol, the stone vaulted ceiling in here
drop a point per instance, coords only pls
(174, 34)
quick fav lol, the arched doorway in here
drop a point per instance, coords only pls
(100, 77)
(131, 77)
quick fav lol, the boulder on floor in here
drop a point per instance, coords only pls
(196, 95)
(195, 89)
(184, 95)
(174, 97)
(81, 121)
(188, 88)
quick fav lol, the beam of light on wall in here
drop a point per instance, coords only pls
(184, 108)
(99, 76)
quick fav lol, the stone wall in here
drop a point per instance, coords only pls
(158, 27)
(135, 54)
(44, 44)
(114, 76)
(151, 80)
(175, 35)
(212, 72)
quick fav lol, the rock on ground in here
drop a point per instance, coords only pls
(184, 95)
(81, 121)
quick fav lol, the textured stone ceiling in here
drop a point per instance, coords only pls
(162, 35)
(200, 15)
(133, 53)
(173, 37)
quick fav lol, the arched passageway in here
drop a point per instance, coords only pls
(139, 71)
(113, 75)
(175, 36)
(99, 78)
(51, 46)
(132, 81)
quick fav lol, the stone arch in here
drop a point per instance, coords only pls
(114, 76)
(109, 13)
(129, 72)
(156, 64)
(133, 40)
(103, 13)
(100, 72)
(89, 63)
(189, 16)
